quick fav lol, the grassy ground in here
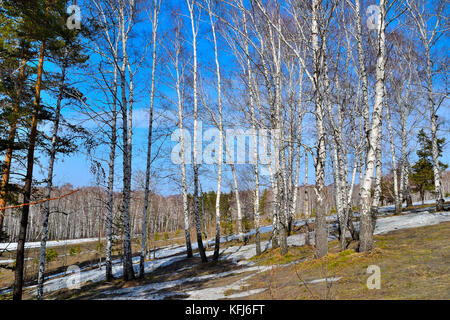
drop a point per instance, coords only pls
(410, 260)
(414, 264)
(190, 268)
(83, 254)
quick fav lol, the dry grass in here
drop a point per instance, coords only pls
(413, 264)
(422, 206)
(81, 255)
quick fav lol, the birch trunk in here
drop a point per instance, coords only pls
(155, 23)
(409, 202)
(220, 151)
(363, 75)
(275, 218)
(377, 191)
(297, 164)
(180, 98)
(280, 174)
(397, 197)
(439, 196)
(306, 202)
(403, 160)
(256, 209)
(128, 272)
(320, 226)
(195, 149)
(46, 215)
(340, 161)
(366, 227)
(110, 187)
(236, 194)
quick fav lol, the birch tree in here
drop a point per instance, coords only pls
(220, 127)
(106, 45)
(194, 29)
(430, 22)
(155, 24)
(367, 218)
(126, 22)
(320, 227)
(179, 65)
(57, 116)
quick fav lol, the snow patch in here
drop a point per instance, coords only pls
(150, 291)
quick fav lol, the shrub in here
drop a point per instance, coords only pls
(50, 255)
(227, 227)
(246, 224)
(99, 246)
(74, 250)
(166, 235)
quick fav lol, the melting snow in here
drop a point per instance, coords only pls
(237, 254)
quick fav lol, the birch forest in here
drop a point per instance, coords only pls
(146, 124)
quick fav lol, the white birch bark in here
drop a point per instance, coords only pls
(280, 170)
(110, 187)
(220, 151)
(297, 164)
(127, 118)
(397, 198)
(191, 7)
(180, 105)
(251, 87)
(363, 75)
(378, 176)
(46, 215)
(367, 220)
(320, 227)
(155, 24)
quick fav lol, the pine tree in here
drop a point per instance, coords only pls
(422, 174)
(41, 23)
(15, 94)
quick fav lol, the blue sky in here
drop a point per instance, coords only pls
(75, 169)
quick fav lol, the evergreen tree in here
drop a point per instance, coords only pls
(422, 174)
(16, 95)
(42, 24)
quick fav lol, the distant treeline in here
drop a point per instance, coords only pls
(82, 214)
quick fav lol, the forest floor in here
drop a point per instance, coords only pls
(413, 264)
